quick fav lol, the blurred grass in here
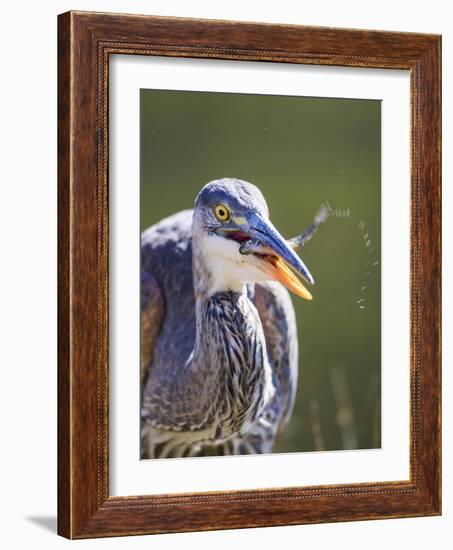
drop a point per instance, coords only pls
(300, 152)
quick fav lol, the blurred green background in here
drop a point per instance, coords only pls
(301, 152)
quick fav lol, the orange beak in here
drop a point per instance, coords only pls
(279, 271)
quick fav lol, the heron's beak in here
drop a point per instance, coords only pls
(280, 260)
(277, 258)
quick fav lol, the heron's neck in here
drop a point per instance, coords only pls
(229, 359)
(230, 356)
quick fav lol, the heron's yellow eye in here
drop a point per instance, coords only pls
(221, 212)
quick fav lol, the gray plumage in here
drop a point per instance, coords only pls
(219, 367)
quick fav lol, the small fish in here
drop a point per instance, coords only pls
(251, 246)
(321, 216)
(255, 246)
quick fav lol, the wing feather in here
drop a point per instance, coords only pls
(151, 318)
(278, 318)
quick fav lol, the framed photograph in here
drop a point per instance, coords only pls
(249, 275)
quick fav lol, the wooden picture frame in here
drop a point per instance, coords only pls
(85, 42)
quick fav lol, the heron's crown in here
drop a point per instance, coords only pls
(239, 194)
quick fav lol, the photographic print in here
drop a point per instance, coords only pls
(249, 311)
(260, 274)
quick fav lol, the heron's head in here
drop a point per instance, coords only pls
(237, 243)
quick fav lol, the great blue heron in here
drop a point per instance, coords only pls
(219, 349)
